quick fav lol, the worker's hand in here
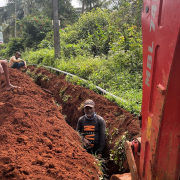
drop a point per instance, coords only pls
(87, 143)
(99, 156)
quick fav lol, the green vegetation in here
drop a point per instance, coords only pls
(118, 152)
(45, 78)
(104, 47)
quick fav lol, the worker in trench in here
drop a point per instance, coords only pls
(16, 62)
(92, 129)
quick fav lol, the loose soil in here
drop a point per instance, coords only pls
(37, 128)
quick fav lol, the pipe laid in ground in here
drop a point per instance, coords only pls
(97, 87)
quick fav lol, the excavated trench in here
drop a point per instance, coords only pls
(36, 139)
(70, 97)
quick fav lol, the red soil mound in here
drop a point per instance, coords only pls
(70, 97)
(36, 142)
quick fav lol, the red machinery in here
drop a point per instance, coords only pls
(160, 140)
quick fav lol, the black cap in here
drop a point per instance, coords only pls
(89, 103)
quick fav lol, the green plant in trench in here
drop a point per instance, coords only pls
(100, 163)
(118, 152)
(63, 95)
(38, 76)
(45, 78)
(32, 74)
(28, 72)
(62, 91)
(66, 97)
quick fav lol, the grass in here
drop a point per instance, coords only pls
(103, 72)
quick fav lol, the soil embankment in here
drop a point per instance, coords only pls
(36, 141)
(70, 97)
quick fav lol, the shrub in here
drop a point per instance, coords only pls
(34, 30)
(15, 44)
(38, 57)
(45, 44)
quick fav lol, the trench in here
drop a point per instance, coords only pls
(69, 97)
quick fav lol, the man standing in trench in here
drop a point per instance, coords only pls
(92, 129)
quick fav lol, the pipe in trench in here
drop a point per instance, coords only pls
(97, 87)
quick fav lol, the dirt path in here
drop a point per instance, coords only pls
(37, 143)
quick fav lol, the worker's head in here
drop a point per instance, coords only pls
(17, 54)
(89, 107)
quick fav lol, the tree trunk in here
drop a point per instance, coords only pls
(26, 8)
(90, 5)
(56, 29)
(15, 19)
(83, 7)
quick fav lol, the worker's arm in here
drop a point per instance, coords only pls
(102, 129)
(16, 60)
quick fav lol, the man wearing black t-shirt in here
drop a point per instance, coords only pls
(92, 129)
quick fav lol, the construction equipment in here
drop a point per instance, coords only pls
(156, 156)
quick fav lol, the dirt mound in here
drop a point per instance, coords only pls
(70, 98)
(36, 142)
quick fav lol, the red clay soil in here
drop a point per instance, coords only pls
(70, 98)
(36, 142)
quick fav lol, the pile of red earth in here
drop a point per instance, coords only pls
(36, 142)
(36, 139)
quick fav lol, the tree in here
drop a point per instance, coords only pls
(67, 13)
(56, 29)
(34, 30)
(8, 18)
(90, 4)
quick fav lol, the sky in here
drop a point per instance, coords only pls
(75, 3)
(2, 3)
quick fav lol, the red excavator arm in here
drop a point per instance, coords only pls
(159, 156)
(160, 141)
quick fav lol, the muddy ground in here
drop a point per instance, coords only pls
(37, 135)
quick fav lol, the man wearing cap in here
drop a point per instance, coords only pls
(16, 62)
(92, 129)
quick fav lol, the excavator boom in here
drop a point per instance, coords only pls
(159, 156)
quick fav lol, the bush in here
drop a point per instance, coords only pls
(92, 28)
(38, 57)
(3, 50)
(49, 59)
(15, 44)
(75, 49)
(45, 44)
(34, 30)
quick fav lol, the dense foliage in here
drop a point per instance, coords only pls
(103, 47)
(17, 10)
(34, 30)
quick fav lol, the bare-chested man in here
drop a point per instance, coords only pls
(16, 62)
